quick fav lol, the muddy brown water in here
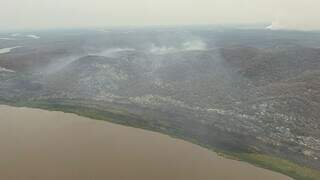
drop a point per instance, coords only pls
(41, 145)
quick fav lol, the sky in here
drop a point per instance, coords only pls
(39, 14)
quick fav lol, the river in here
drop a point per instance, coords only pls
(44, 145)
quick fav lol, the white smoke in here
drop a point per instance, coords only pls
(275, 25)
(289, 25)
(5, 38)
(196, 45)
(296, 15)
(193, 45)
(15, 34)
(8, 50)
(2, 69)
(112, 52)
(32, 36)
(161, 50)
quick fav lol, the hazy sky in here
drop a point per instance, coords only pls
(25, 14)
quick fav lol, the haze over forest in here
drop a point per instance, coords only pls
(238, 77)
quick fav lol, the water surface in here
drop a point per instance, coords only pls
(42, 145)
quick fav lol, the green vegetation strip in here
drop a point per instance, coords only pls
(279, 165)
(265, 161)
